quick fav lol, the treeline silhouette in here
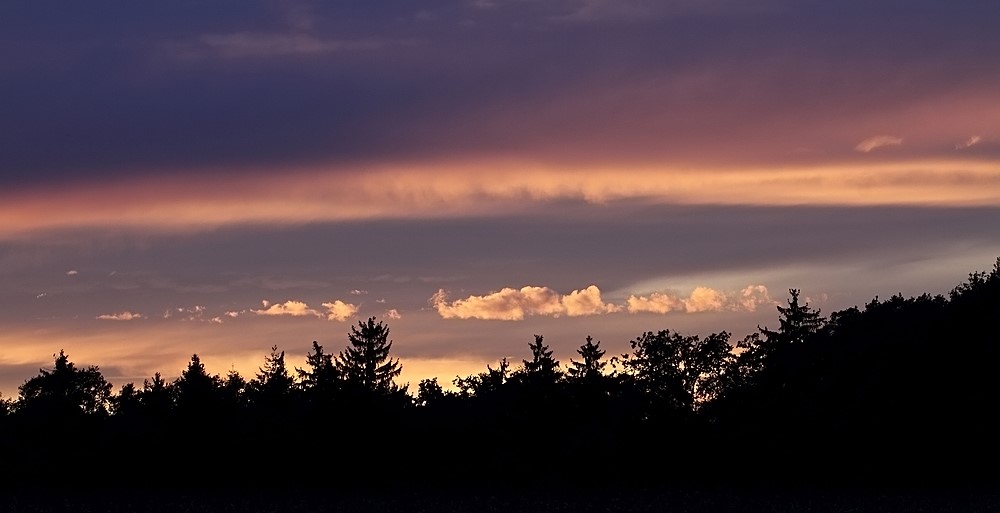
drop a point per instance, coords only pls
(901, 390)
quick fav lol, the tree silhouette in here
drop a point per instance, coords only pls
(195, 390)
(272, 384)
(429, 392)
(321, 379)
(542, 369)
(675, 370)
(484, 383)
(591, 367)
(365, 365)
(157, 397)
(66, 389)
(796, 322)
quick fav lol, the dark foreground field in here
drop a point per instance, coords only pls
(510, 501)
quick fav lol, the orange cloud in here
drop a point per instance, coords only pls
(701, 299)
(335, 310)
(879, 141)
(122, 316)
(290, 308)
(450, 190)
(339, 311)
(968, 143)
(510, 304)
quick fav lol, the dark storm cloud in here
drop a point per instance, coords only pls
(102, 89)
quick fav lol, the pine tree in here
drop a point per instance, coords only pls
(272, 383)
(321, 379)
(195, 389)
(542, 368)
(365, 365)
(796, 322)
(591, 366)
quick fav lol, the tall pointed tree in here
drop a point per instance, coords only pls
(320, 379)
(365, 364)
(272, 383)
(195, 389)
(542, 369)
(591, 366)
(797, 322)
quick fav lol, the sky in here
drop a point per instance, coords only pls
(218, 177)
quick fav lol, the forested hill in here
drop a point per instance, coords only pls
(897, 391)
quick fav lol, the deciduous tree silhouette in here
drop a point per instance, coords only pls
(66, 389)
(429, 392)
(678, 371)
(484, 383)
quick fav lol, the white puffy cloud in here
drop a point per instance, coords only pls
(72, 272)
(879, 141)
(510, 304)
(702, 299)
(339, 310)
(121, 316)
(393, 314)
(358, 292)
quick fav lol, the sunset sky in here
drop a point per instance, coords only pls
(217, 177)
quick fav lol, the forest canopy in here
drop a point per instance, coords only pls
(896, 389)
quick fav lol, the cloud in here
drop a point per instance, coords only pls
(968, 143)
(587, 302)
(335, 310)
(40, 296)
(339, 310)
(656, 302)
(393, 314)
(751, 298)
(194, 313)
(702, 299)
(291, 308)
(380, 300)
(359, 292)
(879, 141)
(123, 316)
(513, 305)
(72, 272)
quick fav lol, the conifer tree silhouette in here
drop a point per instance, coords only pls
(365, 365)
